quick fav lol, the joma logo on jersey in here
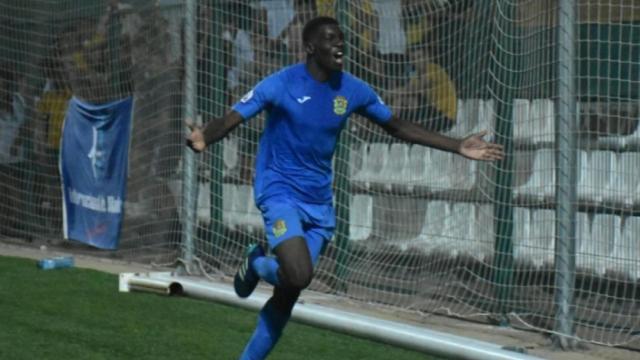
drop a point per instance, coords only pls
(279, 228)
(339, 105)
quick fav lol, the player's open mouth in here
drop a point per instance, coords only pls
(338, 56)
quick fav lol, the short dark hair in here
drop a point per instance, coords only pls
(314, 24)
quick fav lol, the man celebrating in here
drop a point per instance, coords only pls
(308, 104)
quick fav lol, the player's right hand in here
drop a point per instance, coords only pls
(195, 140)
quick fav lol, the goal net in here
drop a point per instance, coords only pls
(418, 230)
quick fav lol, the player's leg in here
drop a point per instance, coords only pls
(296, 268)
(282, 223)
(292, 266)
(296, 257)
(271, 322)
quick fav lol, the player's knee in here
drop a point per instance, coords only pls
(297, 277)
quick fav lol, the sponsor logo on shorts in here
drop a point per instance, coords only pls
(279, 228)
(340, 105)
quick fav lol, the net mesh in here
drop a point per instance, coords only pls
(98, 52)
(419, 230)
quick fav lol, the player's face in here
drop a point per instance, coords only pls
(328, 47)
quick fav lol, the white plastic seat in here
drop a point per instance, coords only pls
(462, 173)
(228, 205)
(356, 156)
(621, 141)
(584, 175)
(394, 170)
(473, 115)
(521, 126)
(461, 233)
(542, 237)
(523, 168)
(541, 121)
(521, 234)
(360, 217)
(486, 118)
(464, 116)
(439, 170)
(594, 255)
(248, 216)
(583, 232)
(230, 152)
(373, 164)
(397, 220)
(533, 121)
(484, 232)
(541, 183)
(254, 216)
(623, 187)
(417, 169)
(626, 252)
(437, 221)
(204, 203)
(595, 175)
(360, 163)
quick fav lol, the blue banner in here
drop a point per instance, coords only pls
(93, 165)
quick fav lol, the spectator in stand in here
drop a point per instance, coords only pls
(391, 44)
(156, 139)
(268, 58)
(305, 11)
(51, 109)
(242, 51)
(12, 154)
(279, 14)
(364, 25)
(97, 69)
(429, 97)
(154, 83)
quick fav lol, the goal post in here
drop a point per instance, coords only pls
(545, 239)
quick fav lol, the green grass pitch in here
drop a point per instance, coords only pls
(79, 314)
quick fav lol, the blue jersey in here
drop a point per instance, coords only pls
(304, 120)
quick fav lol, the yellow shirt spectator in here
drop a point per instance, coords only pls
(53, 106)
(434, 82)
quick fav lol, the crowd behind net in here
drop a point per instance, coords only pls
(418, 230)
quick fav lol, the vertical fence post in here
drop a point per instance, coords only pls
(190, 169)
(40, 37)
(504, 71)
(217, 107)
(343, 187)
(566, 182)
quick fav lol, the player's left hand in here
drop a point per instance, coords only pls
(475, 148)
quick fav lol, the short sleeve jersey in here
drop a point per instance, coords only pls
(304, 120)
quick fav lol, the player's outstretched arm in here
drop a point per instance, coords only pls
(472, 147)
(213, 131)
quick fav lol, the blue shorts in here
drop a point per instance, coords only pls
(285, 218)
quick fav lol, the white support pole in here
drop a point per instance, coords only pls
(390, 332)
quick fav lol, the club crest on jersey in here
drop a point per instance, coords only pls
(340, 105)
(279, 228)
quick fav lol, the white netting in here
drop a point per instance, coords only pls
(97, 51)
(418, 229)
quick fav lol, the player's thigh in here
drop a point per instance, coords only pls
(317, 240)
(319, 221)
(296, 266)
